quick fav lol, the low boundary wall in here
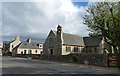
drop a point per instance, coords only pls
(89, 59)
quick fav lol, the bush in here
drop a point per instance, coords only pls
(7, 54)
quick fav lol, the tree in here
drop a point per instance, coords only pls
(103, 19)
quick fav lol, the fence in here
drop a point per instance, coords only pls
(113, 60)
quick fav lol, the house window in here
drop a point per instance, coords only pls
(75, 49)
(40, 46)
(41, 52)
(68, 49)
(35, 51)
(21, 52)
(24, 51)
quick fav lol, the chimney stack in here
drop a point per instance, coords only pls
(29, 40)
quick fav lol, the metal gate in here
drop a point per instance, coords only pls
(113, 60)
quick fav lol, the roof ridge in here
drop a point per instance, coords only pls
(73, 34)
(86, 36)
(68, 33)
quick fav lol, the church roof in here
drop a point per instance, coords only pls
(89, 41)
(6, 42)
(70, 39)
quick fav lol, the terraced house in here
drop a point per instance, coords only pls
(28, 47)
(60, 43)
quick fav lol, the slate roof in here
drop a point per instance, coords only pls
(32, 45)
(12, 41)
(6, 42)
(70, 39)
(89, 41)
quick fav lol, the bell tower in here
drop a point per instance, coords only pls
(59, 39)
(59, 30)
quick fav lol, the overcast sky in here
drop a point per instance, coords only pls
(36, 19)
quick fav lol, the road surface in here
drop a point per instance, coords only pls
(15, 65)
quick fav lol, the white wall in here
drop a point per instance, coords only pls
(72, 50)
(19, 50)
(14, 43)
(1, 45)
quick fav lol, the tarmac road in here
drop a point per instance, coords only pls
(16, 65)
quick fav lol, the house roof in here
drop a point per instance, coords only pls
(70, 39)
(32, 45)
(6, 42)
(12, 41)
(89, 41)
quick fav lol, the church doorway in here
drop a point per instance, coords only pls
(51, 51)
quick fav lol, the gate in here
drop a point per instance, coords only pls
(113, 60)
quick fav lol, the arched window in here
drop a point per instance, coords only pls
(51, 51)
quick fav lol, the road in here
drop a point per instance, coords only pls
(15, 65)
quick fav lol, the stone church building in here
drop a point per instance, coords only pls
(60, 43)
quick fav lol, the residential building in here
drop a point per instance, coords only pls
(9, 45)
(5, 47)
(28, 47)
(14, 43)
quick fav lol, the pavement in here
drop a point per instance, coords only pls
(16, 65)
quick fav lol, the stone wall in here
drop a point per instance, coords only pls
(89, 59)
(26, 55)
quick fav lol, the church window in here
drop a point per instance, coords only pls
(68, 49)
(75, 49)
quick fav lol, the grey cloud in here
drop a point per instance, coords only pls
(29, 19)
